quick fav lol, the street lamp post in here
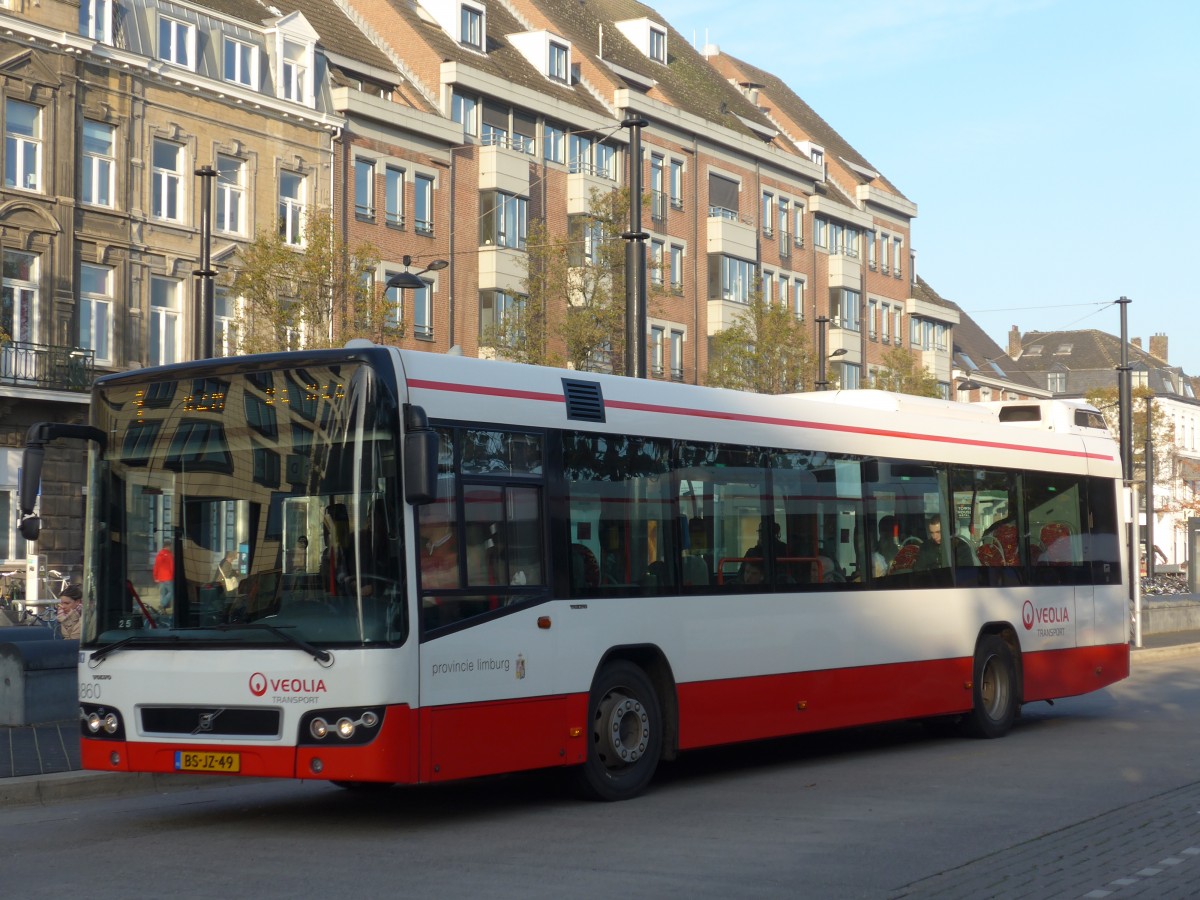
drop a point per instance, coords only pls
(822, 357)
(407, 280)
(1149, 492)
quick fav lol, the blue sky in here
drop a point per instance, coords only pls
(1049, 144)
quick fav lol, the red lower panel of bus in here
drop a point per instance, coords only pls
(391, 757)
(718, 712)
(486, 738)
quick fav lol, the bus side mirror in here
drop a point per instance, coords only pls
(420, 466)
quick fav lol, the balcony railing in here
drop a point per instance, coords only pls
(44, 366)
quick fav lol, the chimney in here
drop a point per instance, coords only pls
(1136, 342)
(1158, 346)
(1014, 342)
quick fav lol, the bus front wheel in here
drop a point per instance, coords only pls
(624, 734)
(994, 691)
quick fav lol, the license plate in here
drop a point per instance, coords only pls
(186, 761)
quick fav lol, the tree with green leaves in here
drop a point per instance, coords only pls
(315, 294)
(904, 373)
(1107, 400)
(573, 307)
(765, 350)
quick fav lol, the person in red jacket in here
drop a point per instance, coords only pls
(164, 574)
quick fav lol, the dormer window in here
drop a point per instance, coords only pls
(470, 29)
(648, 36)
(95, 20)
(658, 45)
(294, 50)
(177, 42)
(559, 67)
(549, 53)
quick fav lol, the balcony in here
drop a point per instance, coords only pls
(23, 364)
(731, 235)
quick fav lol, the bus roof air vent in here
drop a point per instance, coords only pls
(585, 403)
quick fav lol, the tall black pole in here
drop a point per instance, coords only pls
(1125, 396)
(1149, 490)
(635, 258)
(822, 324)
(204, 315)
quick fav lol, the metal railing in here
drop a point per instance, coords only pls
(45, 366)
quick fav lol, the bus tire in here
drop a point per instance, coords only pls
(625, 734)
(994, 689)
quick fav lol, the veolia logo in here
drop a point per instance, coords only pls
(1027, 615)
(258, 684)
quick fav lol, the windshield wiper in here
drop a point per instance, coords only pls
(98, 655)
(321, 656)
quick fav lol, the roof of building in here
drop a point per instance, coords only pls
(1090, 359)
(781, 103)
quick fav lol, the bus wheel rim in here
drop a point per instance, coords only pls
(622, 730)
(993, 688)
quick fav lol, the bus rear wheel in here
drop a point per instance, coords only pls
(624, 734)
(994, 691)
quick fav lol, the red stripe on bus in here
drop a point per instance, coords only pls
(657, 409)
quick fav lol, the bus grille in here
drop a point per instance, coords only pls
(210, 720)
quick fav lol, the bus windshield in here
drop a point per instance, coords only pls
(246, 507)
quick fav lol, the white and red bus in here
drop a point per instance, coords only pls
(378, 566)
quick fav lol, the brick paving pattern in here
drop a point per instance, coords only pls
(1147, 849)
(39, 749)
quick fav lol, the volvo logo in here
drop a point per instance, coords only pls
(206, 722)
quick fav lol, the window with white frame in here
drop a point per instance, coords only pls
(291, 208)
(676, 355)
(872, 318)
(501, 310)
(95, 311)
(798, 235)
(240, 63)
(606, 161)
(798, 299)
(845, 306)
(166, 174)
(768, 213)
(676, 184)
(884, 245)
(554, 143)
(95, 20)
(394, 199)
(785, 222)
(579, 153)
(423, 204)
(657, 262)
(897, 255)
(231, 195)
(658, 351)
(559, 63)
(98, 163)
(658, 45)
(393, 296)
(677, 268)
(1056, 382)
(836, 236)
(737, 279)
(293, 77)
(19, 298)
(464, 109)
(785, 292)
(423, 312)
(225, 339)
(504, 220)
(364, 188)
(165, 306)
(658, 197)
(850, 376)
(871, 256)
(495, 124)
(470, 29)
(819, 232)
(177, 42)
(768, 287)
(22, 145)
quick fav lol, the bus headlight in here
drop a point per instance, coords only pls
(100, 721)
(111, 723)
(354, 725)
(93, 723)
